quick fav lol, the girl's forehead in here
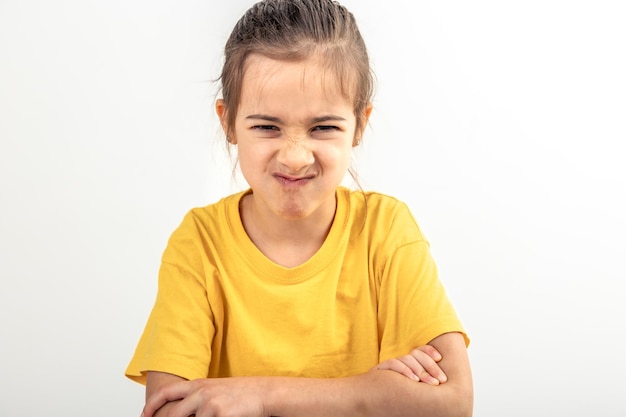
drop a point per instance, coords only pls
(262, 73)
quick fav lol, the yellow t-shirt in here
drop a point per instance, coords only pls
(370, 293)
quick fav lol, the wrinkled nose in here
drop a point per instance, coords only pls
(296, 156)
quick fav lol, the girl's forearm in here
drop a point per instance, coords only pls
(376, 393)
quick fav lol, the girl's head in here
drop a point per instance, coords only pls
(296, 30)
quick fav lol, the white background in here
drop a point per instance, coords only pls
(501, 124)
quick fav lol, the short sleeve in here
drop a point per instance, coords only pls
(413, 304)
(179, 332)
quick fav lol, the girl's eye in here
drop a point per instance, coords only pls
(265, 127)
(266, 131)
(325, 132)
(325, 128)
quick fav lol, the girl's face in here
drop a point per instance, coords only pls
(294, 131)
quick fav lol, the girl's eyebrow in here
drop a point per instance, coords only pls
(264, 117)
(328, 118)
(319, 119)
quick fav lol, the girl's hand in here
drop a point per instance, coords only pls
(209, 397)
(419, 365)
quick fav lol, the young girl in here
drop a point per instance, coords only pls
(300, 297)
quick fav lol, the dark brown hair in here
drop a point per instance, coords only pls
(294, 30)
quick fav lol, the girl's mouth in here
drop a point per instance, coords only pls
(292, 181)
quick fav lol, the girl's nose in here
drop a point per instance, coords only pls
(295, 155)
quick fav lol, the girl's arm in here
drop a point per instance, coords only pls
(375, 393)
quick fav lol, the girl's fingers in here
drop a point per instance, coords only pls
(183, 409)
(420, 365)
(398, 366)
(428, 364)
(430, 351)
(169, 392)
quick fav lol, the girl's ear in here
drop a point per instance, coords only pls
(220, 109)
(368, 112)
(366, 117)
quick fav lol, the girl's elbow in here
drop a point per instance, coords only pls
(464, 403)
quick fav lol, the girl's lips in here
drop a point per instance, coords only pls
(292, 181)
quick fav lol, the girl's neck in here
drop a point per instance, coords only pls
(287, 242)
